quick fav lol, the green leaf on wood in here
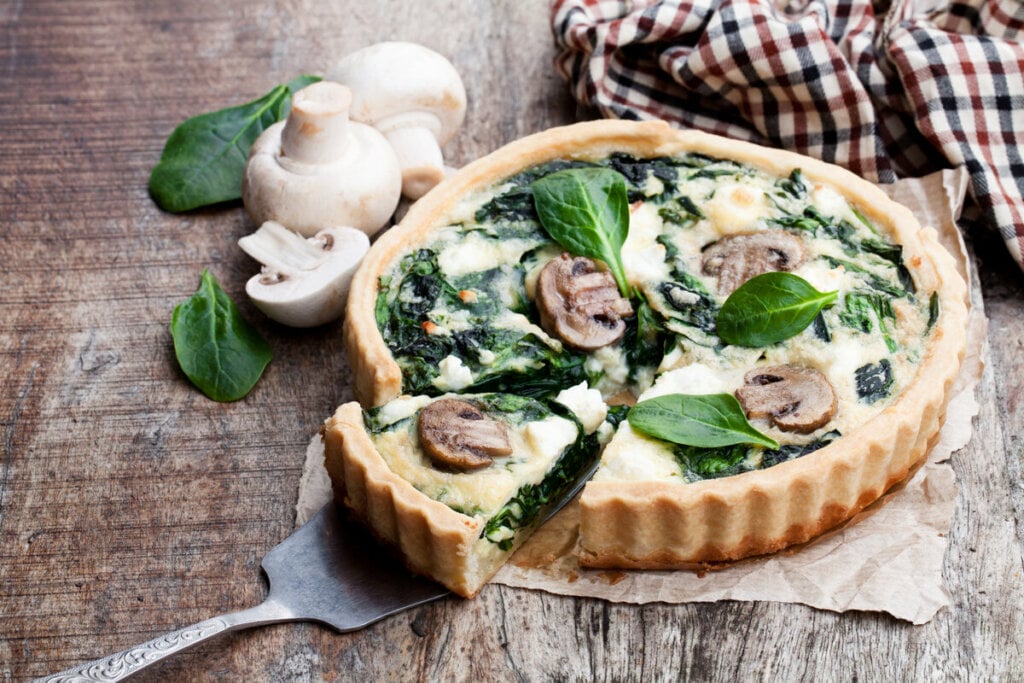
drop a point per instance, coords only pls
(204, 158)
(216, 348)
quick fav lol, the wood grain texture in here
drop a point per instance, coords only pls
(131, 505)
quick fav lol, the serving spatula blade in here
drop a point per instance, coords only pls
(329, 571)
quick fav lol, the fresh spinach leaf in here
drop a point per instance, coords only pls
(204, 158)
(216, 348)
(586, 211)
(707, 420)
(770, 308)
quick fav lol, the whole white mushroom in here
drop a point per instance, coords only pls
(317, 169)
(415, 97)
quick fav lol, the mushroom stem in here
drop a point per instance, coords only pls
(419, 157)
(317, 127)
(283, 251)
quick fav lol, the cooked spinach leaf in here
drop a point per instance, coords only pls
(871, 279)
(217, 349)
(711, 463)
(204, 158)
(874, 381)
(646, 340)
(501, 359)
(691, 302)
(861, 309)
(821, 330)
(706, 420)
(770, 308)
(794, 185)
(933, 310)
(773, 456)
(525, 508)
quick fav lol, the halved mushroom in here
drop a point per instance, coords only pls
(456, 435)
(795, 399)
(580, 304)
(737, 258)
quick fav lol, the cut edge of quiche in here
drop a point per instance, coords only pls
(651, 524)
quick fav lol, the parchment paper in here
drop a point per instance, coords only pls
(886, 559)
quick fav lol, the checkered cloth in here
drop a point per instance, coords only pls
(887, 93)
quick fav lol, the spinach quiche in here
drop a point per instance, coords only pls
(788, 333)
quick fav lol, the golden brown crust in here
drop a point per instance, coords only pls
(656, 524)
(434, 539)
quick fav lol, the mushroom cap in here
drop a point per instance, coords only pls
(793, 398)
(398, 83)
(737, 258)
(580, 304)
(360, 189)
(316, 294)
(456, 435)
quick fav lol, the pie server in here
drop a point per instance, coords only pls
(329, 571)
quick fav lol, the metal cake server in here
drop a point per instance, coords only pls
(329, 571)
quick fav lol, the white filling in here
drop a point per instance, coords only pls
(400, 408)
(475, 252)
(642, 257)
(454, 375)
(736, 208)
(586, 404)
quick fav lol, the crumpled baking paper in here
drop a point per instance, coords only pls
(886, 559)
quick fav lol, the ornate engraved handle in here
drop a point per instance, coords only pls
(127, 662)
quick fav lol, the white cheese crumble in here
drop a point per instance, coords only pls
(475, 252)
(586, 404)
(454, 375)
(643, 258)
(400, 408)
(550, 437)
(736, 208)
(507, 320)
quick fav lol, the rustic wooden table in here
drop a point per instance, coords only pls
(131, 505)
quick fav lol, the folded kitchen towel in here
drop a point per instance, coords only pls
(886, 89)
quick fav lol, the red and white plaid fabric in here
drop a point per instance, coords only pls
(886, 89)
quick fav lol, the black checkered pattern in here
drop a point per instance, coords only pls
(920, 86)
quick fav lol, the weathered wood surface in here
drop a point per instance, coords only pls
(130, 505)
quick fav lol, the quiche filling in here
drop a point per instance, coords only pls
(550, 445)
(460, 314)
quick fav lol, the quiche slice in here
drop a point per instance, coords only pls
(472, 295)
(456, 483)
